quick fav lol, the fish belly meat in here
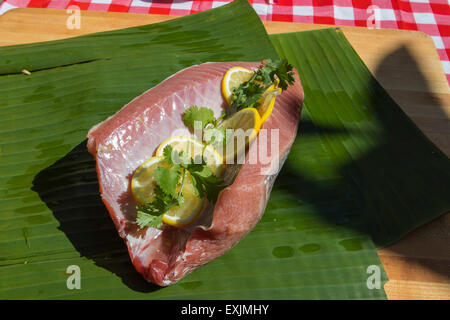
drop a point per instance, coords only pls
(124, 141)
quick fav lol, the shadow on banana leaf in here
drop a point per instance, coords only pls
(69, 187)
(426, 195)
(373, 193)
(390, 189)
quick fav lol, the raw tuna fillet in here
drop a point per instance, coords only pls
(124, 141)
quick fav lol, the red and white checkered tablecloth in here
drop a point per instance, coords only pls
(429, 16)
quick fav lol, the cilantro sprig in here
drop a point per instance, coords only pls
(248, 94)
(204, 117)
(170, 179)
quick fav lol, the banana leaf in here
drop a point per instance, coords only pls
(398, 176)
(314, 241)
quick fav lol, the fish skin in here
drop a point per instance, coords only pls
(121, 143)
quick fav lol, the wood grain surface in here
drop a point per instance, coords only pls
(404, 62)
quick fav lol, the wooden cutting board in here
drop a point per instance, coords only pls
(406, 64)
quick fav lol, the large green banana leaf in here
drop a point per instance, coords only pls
(400, 180)
(313, 240)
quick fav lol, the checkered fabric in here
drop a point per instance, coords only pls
(429, 16)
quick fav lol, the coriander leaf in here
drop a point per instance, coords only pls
(280, 68)
(284, 73)
(150, 214)
(173, 157)
(145, 219)
(200, 170)
(248, 94)
(198, 173)
(167, 152)
(203, 115)
(198, 186)
(215, 136)
(184, 160)
(167, 179)
(214, 186)
(204, 181)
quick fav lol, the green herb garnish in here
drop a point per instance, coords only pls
(203, 115)
(248, 94)
(168, 181)
(212, 133)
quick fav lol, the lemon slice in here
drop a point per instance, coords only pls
(233, 78)
(143, 187)
(267, 102)
(191, 208)
(194, 148)
(245, 124)
(143, 182)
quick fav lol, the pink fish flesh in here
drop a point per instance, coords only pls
(121, 143)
